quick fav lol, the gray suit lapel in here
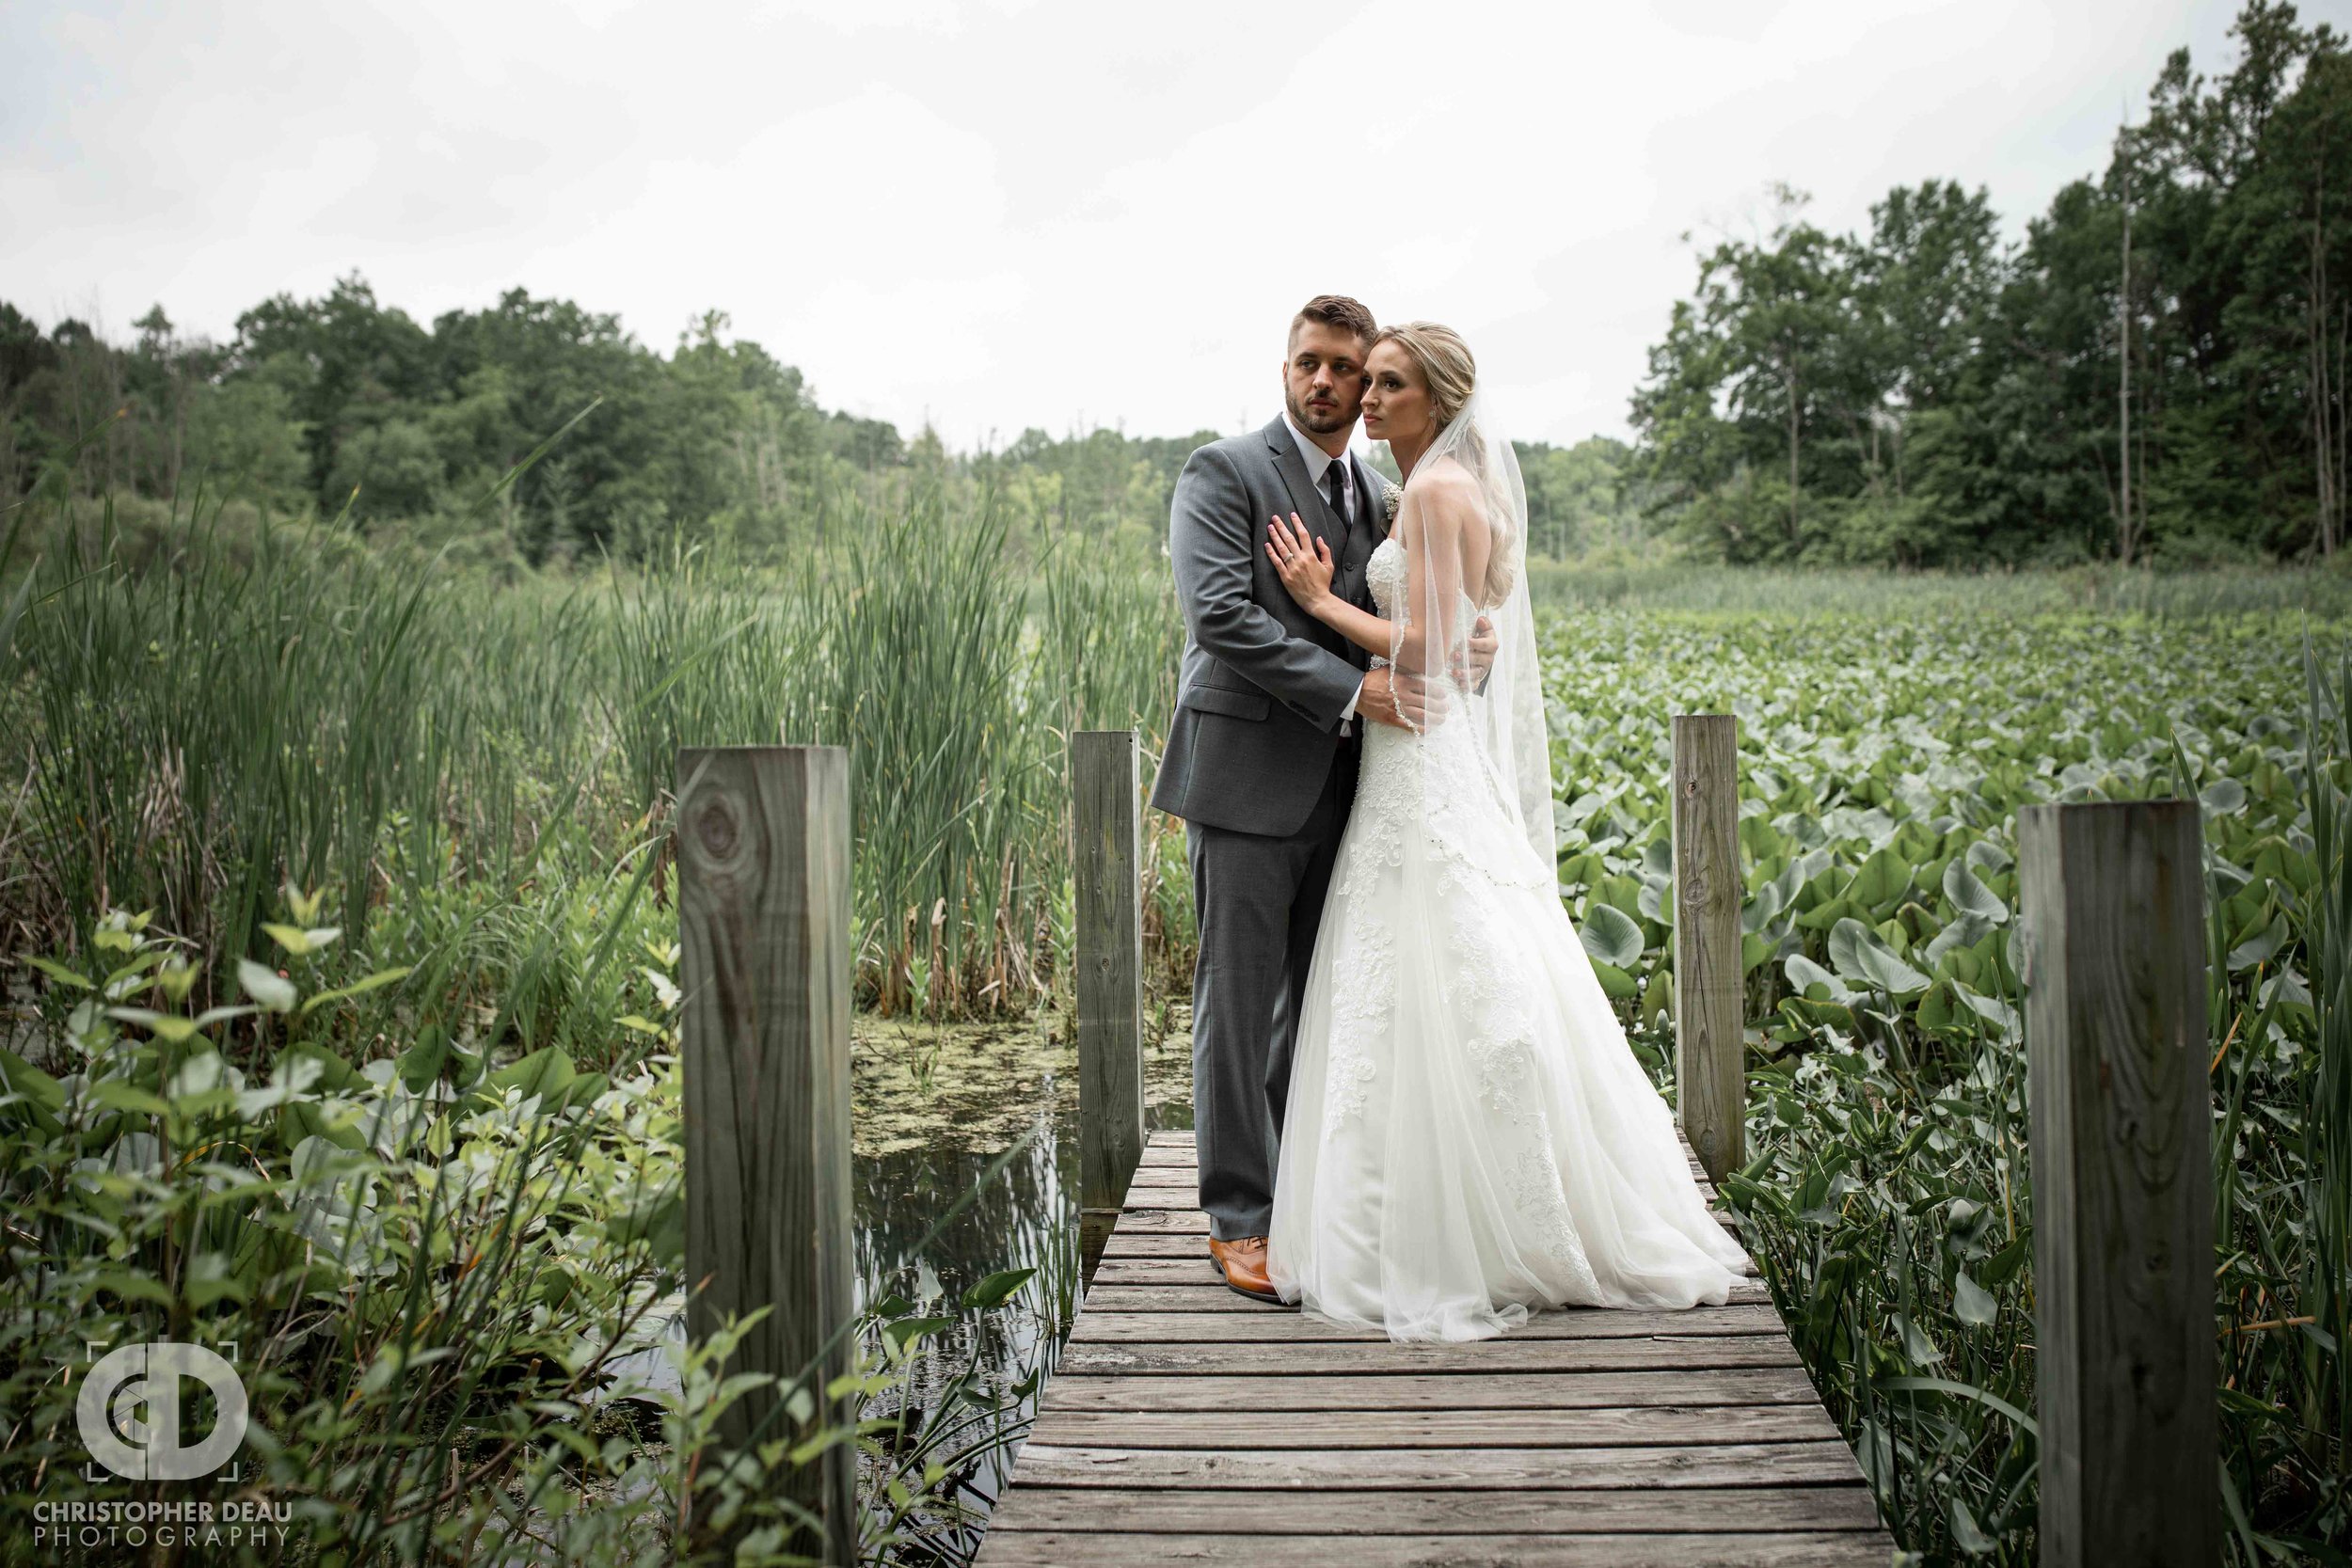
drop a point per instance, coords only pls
(1305, 499)
(1351, 539)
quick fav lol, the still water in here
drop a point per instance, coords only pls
(933, 1108)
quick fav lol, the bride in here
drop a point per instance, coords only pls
(1468, 1134)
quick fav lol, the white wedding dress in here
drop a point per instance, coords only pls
(1468, 1134)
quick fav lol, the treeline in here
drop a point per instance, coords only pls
(2156, 372)
(345, 402)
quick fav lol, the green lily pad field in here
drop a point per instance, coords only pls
(1888, 1192)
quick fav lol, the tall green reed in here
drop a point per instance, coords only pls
(207, 734)
(926, 628)
(1110, 639)
(698, 651)
(1109, 644)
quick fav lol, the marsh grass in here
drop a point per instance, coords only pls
(446, 1205)
(476, 780)
(471, 763)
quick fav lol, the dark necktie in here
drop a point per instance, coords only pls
(1336, 475)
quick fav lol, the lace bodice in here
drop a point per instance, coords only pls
(1385, 574)
(1425, 781)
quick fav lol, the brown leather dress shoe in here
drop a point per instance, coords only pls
(1242, 1262)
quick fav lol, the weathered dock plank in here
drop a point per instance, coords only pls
(1652, 1510)
(1109, 1550)
(1698, 1386)
(1119, 1470)
(1581, 1427)
(1273, 1324)
(1503, 1357)
(1161, 1291)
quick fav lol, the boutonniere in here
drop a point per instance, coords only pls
(1392, 497)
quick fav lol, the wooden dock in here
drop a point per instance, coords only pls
(1190, 1424)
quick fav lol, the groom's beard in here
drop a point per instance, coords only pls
(1319, 419)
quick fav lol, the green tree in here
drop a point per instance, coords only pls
(2157, 372)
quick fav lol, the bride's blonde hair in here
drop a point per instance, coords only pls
(1451, 373)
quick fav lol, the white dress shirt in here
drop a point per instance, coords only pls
(1318, 463)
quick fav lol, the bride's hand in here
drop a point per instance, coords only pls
(1303, 561)
(1471, 670)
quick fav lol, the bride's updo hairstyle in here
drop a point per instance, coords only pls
(1450, 372)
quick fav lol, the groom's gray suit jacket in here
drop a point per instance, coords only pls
(1257, 767)
(1264, 685)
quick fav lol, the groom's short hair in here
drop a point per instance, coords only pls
(1337, 310)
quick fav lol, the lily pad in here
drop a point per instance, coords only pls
(1856, 952)
(1611, 936)
(1970, 897)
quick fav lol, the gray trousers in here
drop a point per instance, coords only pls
(1259, 901)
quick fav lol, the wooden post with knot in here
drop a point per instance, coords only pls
(763, 859)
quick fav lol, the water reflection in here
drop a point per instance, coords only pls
(1026, 1218)
(934, 1107)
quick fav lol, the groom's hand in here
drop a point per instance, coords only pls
(1406, 701)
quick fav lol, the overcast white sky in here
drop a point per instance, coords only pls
(1008, 214)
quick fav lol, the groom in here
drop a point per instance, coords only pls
(1262, 755)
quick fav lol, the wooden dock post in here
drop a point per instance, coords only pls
(763, 856)
(1710, 1052)
(1106, 864)
(2112, 901)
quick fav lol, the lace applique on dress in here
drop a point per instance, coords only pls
(1481, 989)
(1384, 574)
(1363, 998)
(1535, 1191)
(1502, 1075)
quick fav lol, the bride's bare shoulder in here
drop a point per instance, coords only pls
(1442, 473)
(1445, 487)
